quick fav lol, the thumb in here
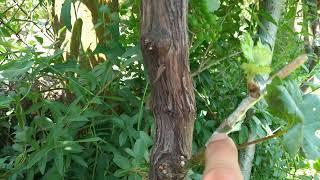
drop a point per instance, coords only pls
(222, 159)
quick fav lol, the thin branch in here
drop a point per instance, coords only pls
(244, 145)
(289, 68)
(231, 121)
(237, 116)
(201, 68)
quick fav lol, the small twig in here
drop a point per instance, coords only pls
(201, 68)
(238, 114)
(244, 145)
(199, 158)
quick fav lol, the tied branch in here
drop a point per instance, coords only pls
(239, 113)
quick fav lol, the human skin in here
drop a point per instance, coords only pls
(222, 159)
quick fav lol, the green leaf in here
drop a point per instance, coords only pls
(132, 54)
(121, 161)
(243, 134)
(259, 57)
(53, 174)
(139, 148)
(66, 14)
(37, 156)
(39, 39)
(267, 16)
(30, 174)
(134, 177)
(93, 139)
(252, 69)
(14, 69)
(19, 159)
(262, 54)
(146, 138)
(311, 110)
(3, 162)
(72, 147)
(293, 89)
(121, 172)
(283, 105)
(59, 161)
(302, 115)
(42, 164)
(316, 165)
(43, 122)
(5, 101)
(213, 5)
(247, 47)
(122, 138)
(130, 152)
(79, 160)
(4, 31)
(293, 139)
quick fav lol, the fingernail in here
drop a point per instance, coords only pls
(217, 137)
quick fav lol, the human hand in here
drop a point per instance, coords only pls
(222, 159)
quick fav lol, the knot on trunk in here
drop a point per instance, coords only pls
(170, 167)
(157, 42)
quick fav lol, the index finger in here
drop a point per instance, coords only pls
(222, 159)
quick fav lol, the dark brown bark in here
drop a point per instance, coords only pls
(164, 46)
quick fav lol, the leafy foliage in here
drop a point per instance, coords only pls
(301, 114)
(258, 56)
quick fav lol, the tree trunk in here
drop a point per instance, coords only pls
(267, 34)
(246, 157)
(164, 46)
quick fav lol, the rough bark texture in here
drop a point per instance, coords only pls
(164, 46)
